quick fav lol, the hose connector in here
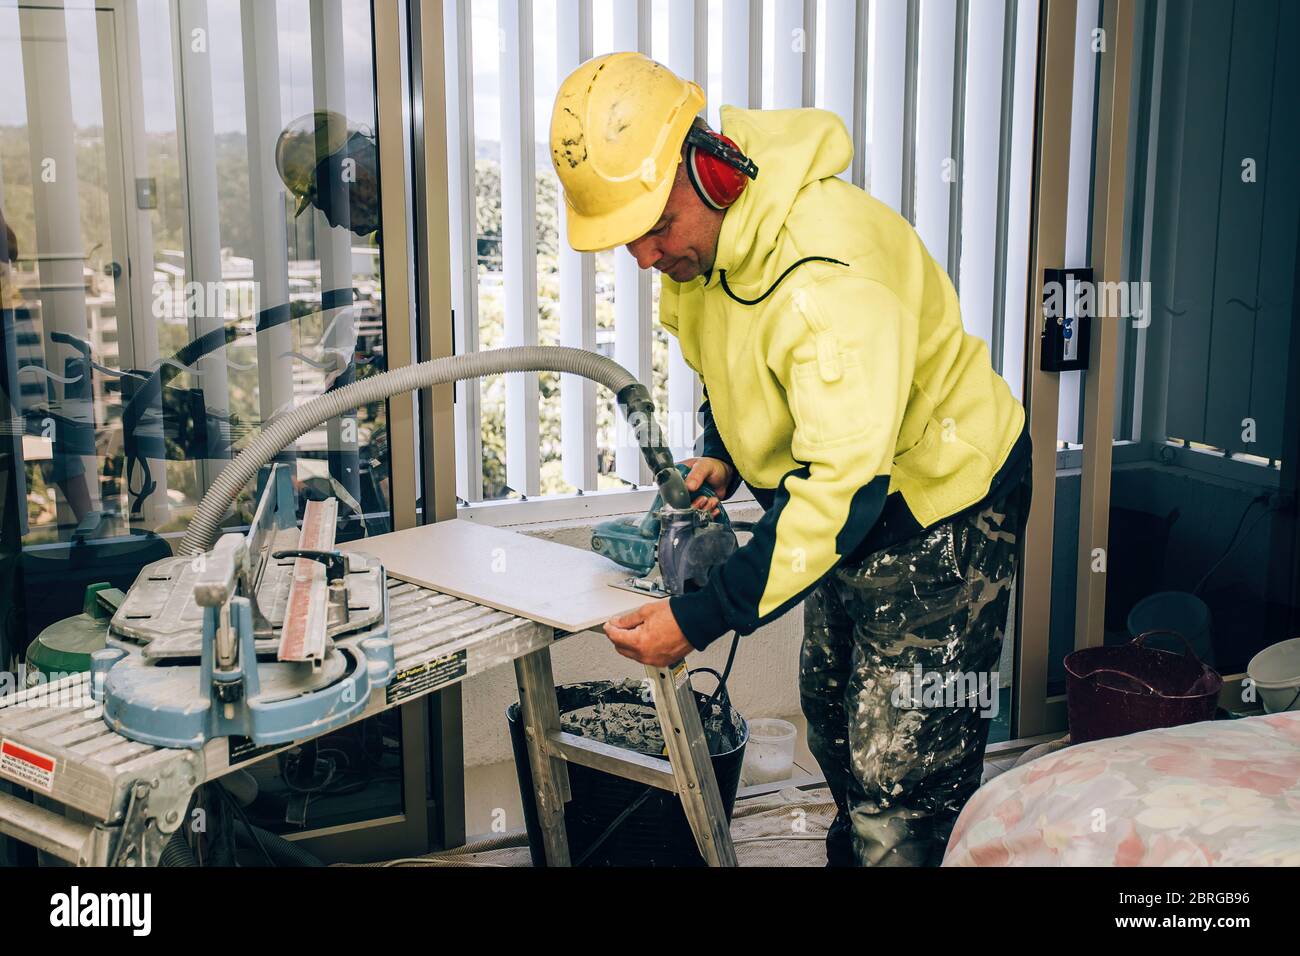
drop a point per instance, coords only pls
(639, 411)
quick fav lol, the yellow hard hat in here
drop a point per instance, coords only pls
(616, 138)
(302, 146)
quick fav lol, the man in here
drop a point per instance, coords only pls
(890, 459)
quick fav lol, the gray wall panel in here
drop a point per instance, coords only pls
(1241, 221)
(1190, 283)
(1277, 262)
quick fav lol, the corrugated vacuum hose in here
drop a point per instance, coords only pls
(284, 429)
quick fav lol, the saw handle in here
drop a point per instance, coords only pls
(336, 562)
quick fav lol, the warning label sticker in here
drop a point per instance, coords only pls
(242, 749)
(427, 676)
(29, 767)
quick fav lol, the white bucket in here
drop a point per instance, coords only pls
(1276, 673)
(769, 755)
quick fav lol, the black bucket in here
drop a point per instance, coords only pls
(656, 832)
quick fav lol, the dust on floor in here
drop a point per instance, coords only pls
(784, 828)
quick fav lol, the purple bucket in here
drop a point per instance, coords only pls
(1112, 691)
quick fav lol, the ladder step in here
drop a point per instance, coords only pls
(688, 771)
(614, 760)
(44, 829)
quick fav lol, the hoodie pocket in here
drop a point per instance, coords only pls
(830, 401)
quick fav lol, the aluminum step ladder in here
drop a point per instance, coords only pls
(688, 773)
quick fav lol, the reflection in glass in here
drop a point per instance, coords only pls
(190, 246)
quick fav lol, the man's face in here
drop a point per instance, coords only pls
(684, 242)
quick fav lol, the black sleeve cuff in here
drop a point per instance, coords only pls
(709, 445)
(700, 616)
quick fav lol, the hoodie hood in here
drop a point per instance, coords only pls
(792, 148)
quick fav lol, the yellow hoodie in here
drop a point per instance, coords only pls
(838, 379)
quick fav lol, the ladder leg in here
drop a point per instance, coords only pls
(540, 713)
(688, 751)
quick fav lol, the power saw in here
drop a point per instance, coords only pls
(671, 550)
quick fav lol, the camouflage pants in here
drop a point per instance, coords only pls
(895, 646)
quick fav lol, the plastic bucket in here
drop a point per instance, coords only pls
(1111, 691)
(1276, 673)
(770, 754)
(1170, 612)
(655, 832)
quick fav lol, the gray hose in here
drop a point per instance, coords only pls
(282, 852)
(458, 856)
(282, 430)
(177, 851)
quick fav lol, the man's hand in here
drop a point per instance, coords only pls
(649, 634)
(712, 475)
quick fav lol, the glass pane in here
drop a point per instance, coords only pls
(352, 774)
(1202, 521)
(191, 242)
(485, 55)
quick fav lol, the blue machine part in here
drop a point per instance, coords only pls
(271, 703)
(160, 687)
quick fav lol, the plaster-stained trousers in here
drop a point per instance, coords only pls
(899, 766)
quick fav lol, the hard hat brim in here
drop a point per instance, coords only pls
(621, 226)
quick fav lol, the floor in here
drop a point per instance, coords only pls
(785, 828)
(492, 802)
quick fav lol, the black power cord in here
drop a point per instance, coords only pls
(722, 679)
(1233, 541)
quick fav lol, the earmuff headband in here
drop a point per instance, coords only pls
(712, 144)
(717, 168)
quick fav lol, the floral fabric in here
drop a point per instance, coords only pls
(1217, 793)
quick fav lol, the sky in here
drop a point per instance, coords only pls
(224, 51)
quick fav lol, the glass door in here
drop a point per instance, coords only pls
(1164, 492)
(71, 322)
(1201, 488)
(192, 245)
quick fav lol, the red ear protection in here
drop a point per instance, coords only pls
(717, 168)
